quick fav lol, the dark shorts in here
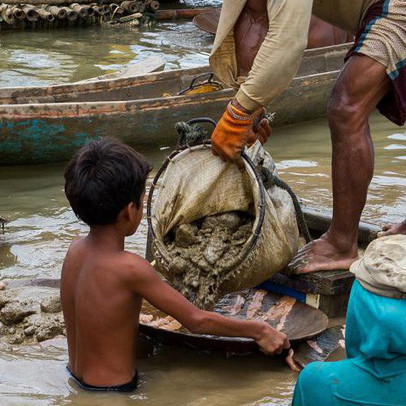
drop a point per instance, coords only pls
(382, 37)
(125, 387)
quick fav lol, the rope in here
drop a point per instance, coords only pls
(271, 180)
(191, 134)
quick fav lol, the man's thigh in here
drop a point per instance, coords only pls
(361, 84)
(381, 37)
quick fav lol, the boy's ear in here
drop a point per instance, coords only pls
(127, 212)
(131, 208)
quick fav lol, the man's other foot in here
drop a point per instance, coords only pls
(392, 229)
(321, 255)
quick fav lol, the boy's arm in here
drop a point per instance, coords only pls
(149, 285)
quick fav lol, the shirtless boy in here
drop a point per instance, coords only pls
(103, 285)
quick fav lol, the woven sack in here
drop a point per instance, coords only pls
(196, 184)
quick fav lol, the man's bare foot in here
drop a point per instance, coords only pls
(392, 229)
(321, 255)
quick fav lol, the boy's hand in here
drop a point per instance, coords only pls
(272, 341)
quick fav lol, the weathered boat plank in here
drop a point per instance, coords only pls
(327, 290)
(151, 64)
(320, 347)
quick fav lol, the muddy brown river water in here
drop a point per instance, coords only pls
(42, 226)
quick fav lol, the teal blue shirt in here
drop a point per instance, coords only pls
(374, 372)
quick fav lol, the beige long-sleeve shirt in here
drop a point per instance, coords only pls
(278, 58)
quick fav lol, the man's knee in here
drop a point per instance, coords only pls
(346, 113)
(362, 83)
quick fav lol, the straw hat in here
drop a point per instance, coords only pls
(382, 270)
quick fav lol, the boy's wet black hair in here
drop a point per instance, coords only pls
(102, 178)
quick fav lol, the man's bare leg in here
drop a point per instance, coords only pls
(392, 229)
(361, 85)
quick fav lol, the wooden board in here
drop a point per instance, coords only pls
(326, 282)
(321, 347)
(208, 21)
(284, 313)
(323, 282)
(328, 291)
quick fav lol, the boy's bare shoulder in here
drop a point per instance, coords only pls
(76, 244)
(74, 248)
(134, 266)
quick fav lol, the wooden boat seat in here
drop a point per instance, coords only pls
(328, 291)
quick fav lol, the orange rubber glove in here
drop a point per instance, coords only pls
(235, 130)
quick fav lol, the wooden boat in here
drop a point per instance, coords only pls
(47, 124)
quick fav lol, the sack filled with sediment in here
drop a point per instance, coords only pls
(215, 228)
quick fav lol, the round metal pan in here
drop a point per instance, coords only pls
(297, 320)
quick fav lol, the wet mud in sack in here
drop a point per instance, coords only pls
(202, 250)
(193, 185)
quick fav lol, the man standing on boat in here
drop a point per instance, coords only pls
(258, 49)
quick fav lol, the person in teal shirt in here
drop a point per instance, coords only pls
(374, 372)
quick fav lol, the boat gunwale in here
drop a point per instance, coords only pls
(117, 83)
(77, 109)
(100, 85)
